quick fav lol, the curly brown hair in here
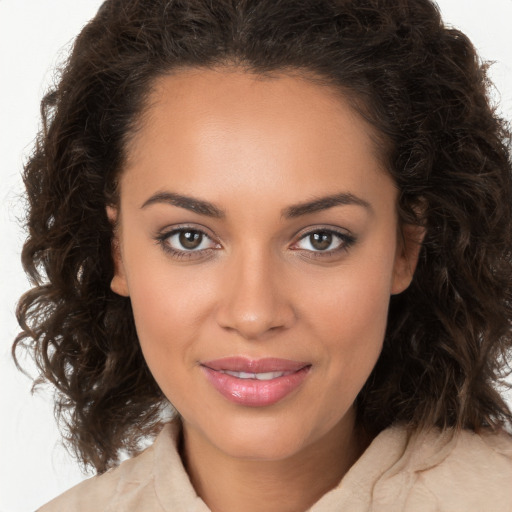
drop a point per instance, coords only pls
(418, 82)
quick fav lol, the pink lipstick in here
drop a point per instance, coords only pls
(255, 382)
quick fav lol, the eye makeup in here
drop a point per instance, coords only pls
(190, 242)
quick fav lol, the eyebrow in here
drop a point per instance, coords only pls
(210, 210)
(189, 203)
(324, 203)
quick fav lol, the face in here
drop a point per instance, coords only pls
(257, 241)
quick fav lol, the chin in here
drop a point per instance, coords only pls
(274, 449)
(263, 438)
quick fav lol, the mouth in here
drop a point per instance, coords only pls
(257, 376)
(255, 383)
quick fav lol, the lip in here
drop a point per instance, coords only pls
(252, 392)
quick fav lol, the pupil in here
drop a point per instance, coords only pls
(321, 240)
(190, 239)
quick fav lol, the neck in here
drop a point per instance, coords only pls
(293, 484)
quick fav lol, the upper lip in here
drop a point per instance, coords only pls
(245, 364)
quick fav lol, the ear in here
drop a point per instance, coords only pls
(118, 284)
(408, 249)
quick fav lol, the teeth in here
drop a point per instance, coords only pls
(257, 376)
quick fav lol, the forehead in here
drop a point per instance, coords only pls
(223, 130)
(227, 97)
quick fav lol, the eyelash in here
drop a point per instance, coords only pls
(163, 238)
(346, 241)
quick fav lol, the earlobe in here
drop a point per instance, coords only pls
(118, 284)
(406, 260)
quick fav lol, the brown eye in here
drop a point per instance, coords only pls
(321, 240)
(186, 240)
(324, 242)
(190, 239)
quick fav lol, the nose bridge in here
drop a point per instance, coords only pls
(254, 302)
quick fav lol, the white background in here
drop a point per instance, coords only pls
(34, 35)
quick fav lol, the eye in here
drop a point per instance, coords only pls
(324, 242)
(184, 242)
(188, 239)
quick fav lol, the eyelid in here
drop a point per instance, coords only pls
(163, 235)
(171, 230)
(346, 238)
(185, 230)
(342, 233)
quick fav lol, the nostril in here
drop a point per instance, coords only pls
(255, 329)
(252, 304)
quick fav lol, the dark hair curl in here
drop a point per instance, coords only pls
(418, 82)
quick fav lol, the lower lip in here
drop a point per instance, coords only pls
(253, 392)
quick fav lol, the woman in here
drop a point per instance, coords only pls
(291, 221)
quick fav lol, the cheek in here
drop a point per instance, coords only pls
(169, 305)
(352, 330)
(348, 317)
(354, 300)
(163, 301)
(167, 315)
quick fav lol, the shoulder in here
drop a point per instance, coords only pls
(476, 470)
(452, 470)
(130, 483)
(155, 480)
(99, 492)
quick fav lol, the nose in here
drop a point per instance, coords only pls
(255, 302)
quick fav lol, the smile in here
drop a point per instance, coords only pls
(257, 376)
(255, 383)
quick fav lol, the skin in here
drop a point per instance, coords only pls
(257, 286)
